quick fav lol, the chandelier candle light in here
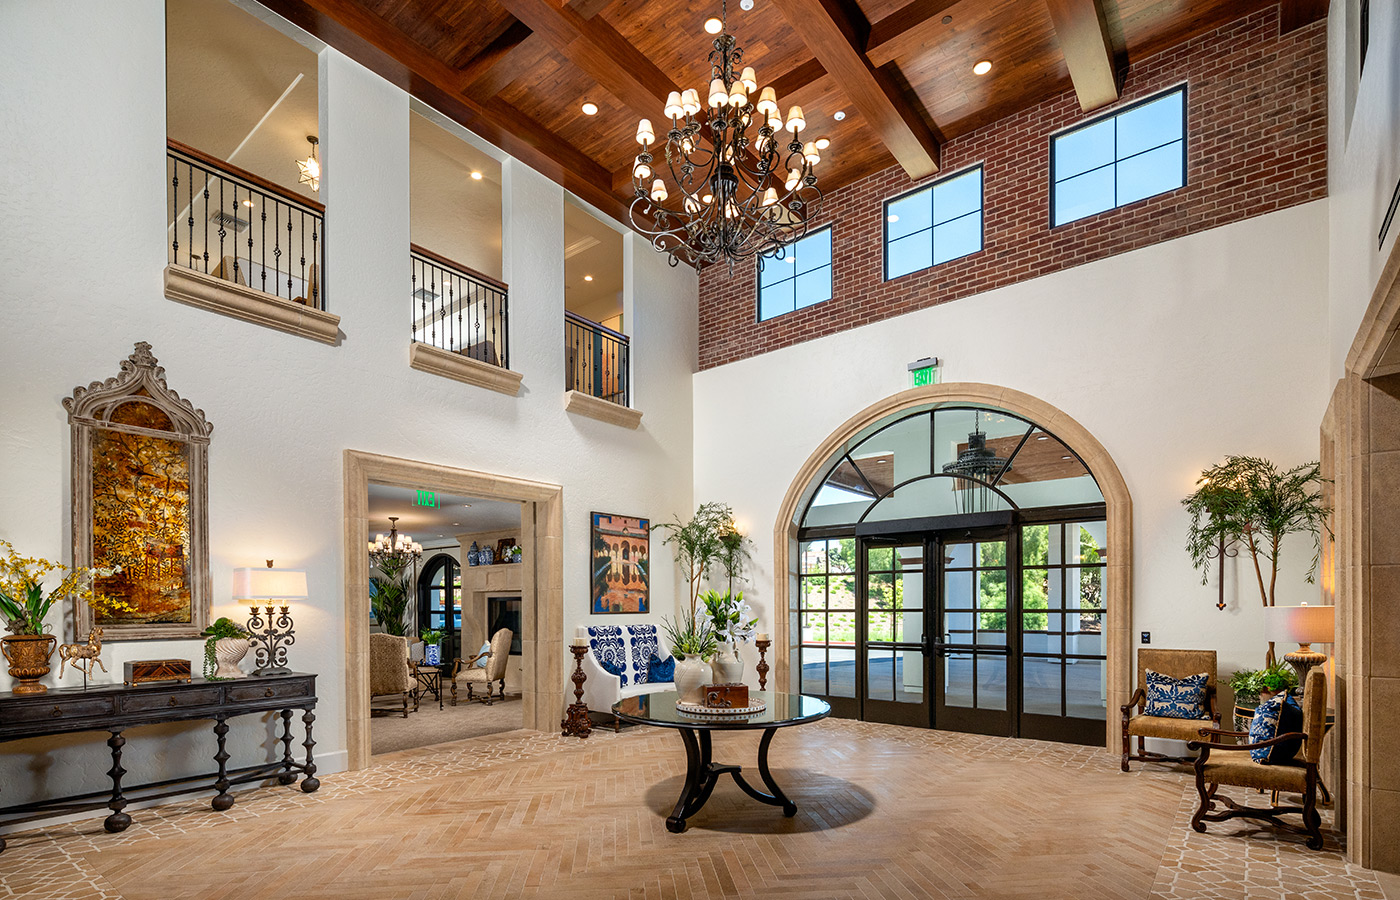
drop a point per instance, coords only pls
(269, 631)
(397, 549)
(734, 193)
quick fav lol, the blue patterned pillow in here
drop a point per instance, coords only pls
(1176, 698)
(644, 645)
(659, 670)
(1277, 715)
(606, 644)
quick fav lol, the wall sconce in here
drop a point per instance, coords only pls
(269, 632)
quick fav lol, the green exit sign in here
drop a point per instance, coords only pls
(426, 498)
(923, 372)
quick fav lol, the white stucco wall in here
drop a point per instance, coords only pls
(1363, 163)
(1172, 356)
(82, 248)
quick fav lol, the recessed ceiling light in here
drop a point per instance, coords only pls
(248, 203)
(456, 524)
(476, 176)
(590, 108)
(713, 25)
(839, 115)
(1066, 457)
(892, 218)
(1042, 437)
(588, 278)
(947, 20)
(823, 143)
(746, 5)
(983, 67)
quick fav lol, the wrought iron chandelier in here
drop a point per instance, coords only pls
(980, 466)
(735, 193)
(394, 550)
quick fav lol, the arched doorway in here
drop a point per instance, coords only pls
(959, 556)
(440, 601)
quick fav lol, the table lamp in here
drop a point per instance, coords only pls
(1302, 625)
(268, 633)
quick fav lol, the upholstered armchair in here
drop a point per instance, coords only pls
(1231, 764)
(1177, 664)
(388, 668)
(472, 675)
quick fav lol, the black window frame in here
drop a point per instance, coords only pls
(758, 276)
(930, 187)
(1182, 88)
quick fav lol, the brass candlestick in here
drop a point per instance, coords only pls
(575, 723)
(763, 663)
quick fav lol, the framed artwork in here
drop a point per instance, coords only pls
(620, 564)
(140, 496)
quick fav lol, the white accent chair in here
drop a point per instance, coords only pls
(630, 647)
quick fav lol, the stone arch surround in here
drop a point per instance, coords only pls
(1078, 438)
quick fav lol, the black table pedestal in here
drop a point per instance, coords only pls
(703, 773)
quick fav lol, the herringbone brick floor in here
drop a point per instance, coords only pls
(884, 812)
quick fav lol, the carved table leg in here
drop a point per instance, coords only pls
(789, 808)
(702, 774)
(118, 820)
(310, 783)
(222, 800)
(287, 776)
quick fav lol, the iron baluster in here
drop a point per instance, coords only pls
(206, 223)
(263, 198)
(175, 211)
(189, 190)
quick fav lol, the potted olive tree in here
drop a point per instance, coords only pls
(1251, 502)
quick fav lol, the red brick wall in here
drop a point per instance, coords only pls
(1256, 143)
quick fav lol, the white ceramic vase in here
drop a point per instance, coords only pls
(727, 664)
(228, 653)
(692, 673)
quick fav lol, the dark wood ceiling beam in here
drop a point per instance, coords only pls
(383, 49)
(1294, 14)
(516, 63)
(829, 27)
(494, 54)
(1082, 32)
(599, 50)
(909, 29)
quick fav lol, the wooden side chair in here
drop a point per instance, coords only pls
(389, 671)
(472, 675)
(1231, 764)
(1177, 664)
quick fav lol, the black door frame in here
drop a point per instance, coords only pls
(892, 712)
(451, 639)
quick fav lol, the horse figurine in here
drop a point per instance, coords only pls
(83, 655)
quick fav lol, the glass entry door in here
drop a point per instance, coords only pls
(970, 649)
(892, 619)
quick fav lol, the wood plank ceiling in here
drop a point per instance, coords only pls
(516, 72)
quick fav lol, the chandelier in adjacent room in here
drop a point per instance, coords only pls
(309, 169)
(979, 464)
(736, 190)
(397, 550)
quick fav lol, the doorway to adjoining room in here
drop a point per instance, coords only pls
(445, 577)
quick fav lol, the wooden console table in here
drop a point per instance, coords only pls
(114, 708)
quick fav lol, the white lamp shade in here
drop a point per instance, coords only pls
(268, 584)
(1300, 624)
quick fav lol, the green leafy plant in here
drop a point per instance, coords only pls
(699, 543)
(223, 627)
(1250, 501)
(734, 554)
(690, 636)
(430, 636)
(388, 595)
(728, 616)
(1275, 677)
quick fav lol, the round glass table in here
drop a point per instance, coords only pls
(702, 772)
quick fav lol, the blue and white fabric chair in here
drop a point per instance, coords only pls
(618, 665)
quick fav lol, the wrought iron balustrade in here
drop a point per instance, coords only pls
(596, 360)
(459, 309)
(234, 225)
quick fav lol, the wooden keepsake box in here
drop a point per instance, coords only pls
(145, 671)
(726, 696)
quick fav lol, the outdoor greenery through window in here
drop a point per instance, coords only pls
(828, 614)
(933, 225)
(799, 278)
(1120, 159)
